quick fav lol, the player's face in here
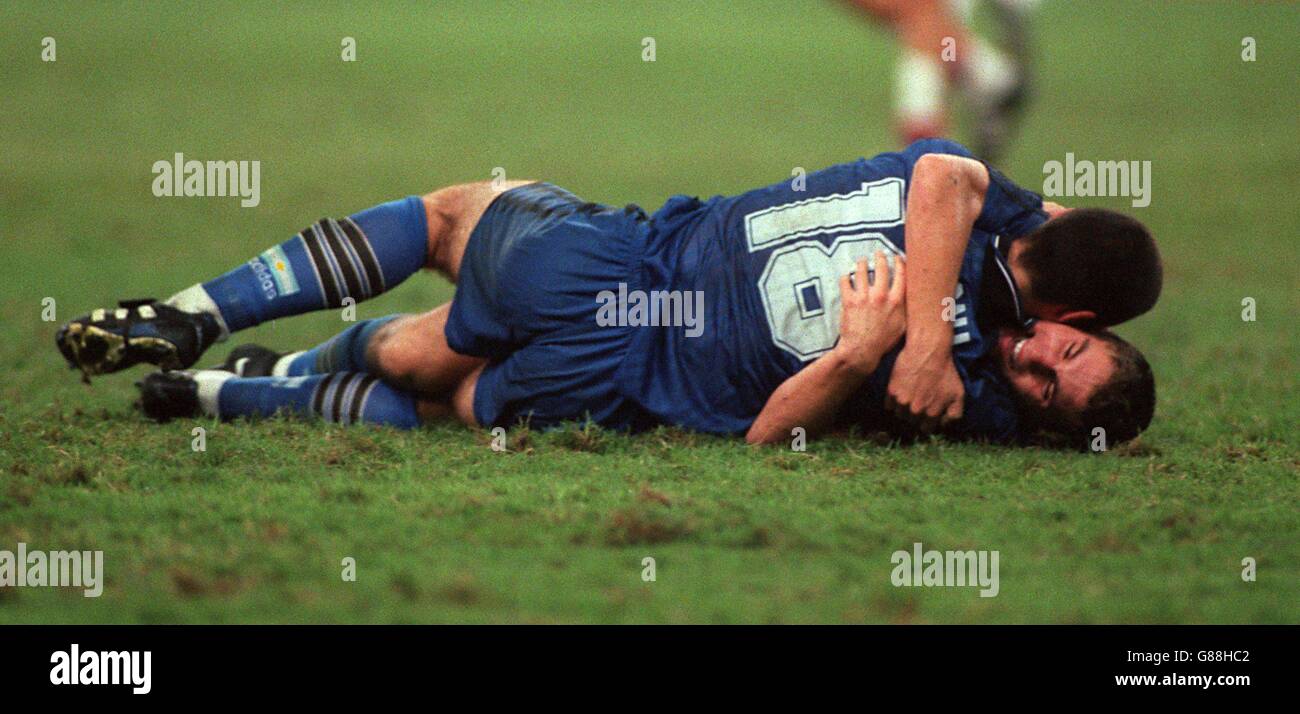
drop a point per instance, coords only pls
(1054, 367)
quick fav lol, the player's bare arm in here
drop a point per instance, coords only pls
(943, 200)
(872, 319)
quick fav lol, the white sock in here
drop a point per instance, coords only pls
(988, 74)
(918, 86)
(210, 381)
(196, 299)
(281, 368)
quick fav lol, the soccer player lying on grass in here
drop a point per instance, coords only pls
(550, 322)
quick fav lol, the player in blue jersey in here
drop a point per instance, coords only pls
(708, 314)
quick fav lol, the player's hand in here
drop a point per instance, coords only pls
(924, 388)
(873, 317)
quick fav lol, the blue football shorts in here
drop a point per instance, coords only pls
(526, 300)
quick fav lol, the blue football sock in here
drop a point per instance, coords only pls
(357, 257)
(340, 397)
(344, 352)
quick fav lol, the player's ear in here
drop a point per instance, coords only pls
(1078, 318)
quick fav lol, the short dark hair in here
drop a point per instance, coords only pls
(1094, 259)
(1122, 407)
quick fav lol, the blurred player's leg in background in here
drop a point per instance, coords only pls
(939, 53)
(998, 100)
(1011, 22)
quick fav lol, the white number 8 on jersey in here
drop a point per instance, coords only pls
(801, 293)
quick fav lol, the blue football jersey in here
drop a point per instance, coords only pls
(768, 263)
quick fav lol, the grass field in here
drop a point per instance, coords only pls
(444, 529)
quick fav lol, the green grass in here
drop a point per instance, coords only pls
(445, 529)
